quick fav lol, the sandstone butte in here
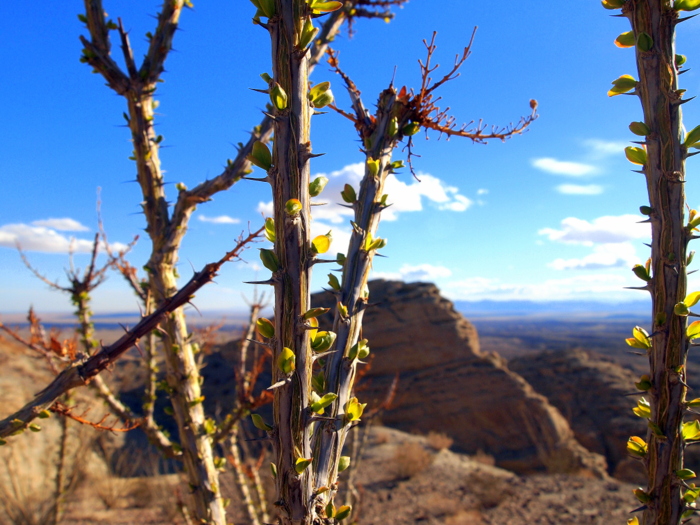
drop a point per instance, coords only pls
(447, 384)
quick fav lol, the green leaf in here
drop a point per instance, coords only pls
(613, 4)
(333, 282)
(307, 34)
(686, 5)
(259, 422)
(636, 446)
(323, 341)
(693, 330)
(680, 60)
(692, 493)
(636, 155)
(644, 383)
(625, 40)
(261, 156)
(692, 137)
(278, 96)
(265, 327)
(348, 194)
(685, 473)
(645, 42)
(692, 299)
(209, 426)
(359, 350)
(318, 382)
(44, 414)
(316, 312)
(643, 409)
(343, 512)
(316, 186)
(639, 128)
(270, 229)
(373, 167)
(343, 463)
(622, 85)
(325, 7)
(690, 430)
(322, 243)
(318, 89)
(693, 403)
(34, 427)
(354, 410)
(286, 361)
(411, 129)
(646, 210)
(323, 402)
(642, 496)
(301, 464)
(273, 469)
(269, 259)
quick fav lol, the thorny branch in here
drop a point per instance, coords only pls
(64, 410)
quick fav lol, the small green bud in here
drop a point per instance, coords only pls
(393, 127)
(270, 229)
(301, 464)
(348, 194)
(44, 414)
(308, 33)
(333, 282)
(644, 383)
(641, 272)
(316, 186)
(411, 129)
(622, 85)
(316, 312)
(261, 156)
(343, 512)
(323, 341)
(278, 97)
(259, 423)
(639, 128)
(267, 78)
(293, 207)
(286, 361)
(646, 210)
(644, 42)
(343, 463)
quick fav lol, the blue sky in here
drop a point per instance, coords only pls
(548, 215)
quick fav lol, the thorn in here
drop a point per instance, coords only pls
(638, 171)
(321, 261)
(640, 142)
(685, 18)
(646, 244)
(639, 509)
(259, 343)
(320, 112)
(318, 204)
(323, 354)
(683, 71)
(274, 118)
(642, 222)
(380, 255)
(686, 100)
(257, 179)
(347, 206)
(691, 273)
(635, 353)
(263, 91)
(692, 154)
(634, 394)
(279, 383)
(636, 288)
(314, 155)
(271, 282)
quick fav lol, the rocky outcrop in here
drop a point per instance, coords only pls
(447, 384)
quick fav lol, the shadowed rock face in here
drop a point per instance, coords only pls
(590, 392)
(448, 385)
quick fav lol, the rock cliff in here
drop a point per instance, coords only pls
(448, 385)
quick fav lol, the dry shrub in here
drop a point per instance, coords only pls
(484, 458)
(437, 505)
(411, 459)
(439, 441)
(489, 490)
(465, 517)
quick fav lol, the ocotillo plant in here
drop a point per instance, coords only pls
(661, 152)
(308, 440)
(137, 83)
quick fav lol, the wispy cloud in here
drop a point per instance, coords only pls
(404, 196)
(578, 189)
(607, 229)
(44, 239)
(65, 225)
(610, 255)
(605, 148)
(413, 273)
(221, 219)
(562, 167)
(580, 287)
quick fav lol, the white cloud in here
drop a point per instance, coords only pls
(413, 273)
(403, 197)
(221, 219)
(599, 286)
(611, 255)
(560, 167)
(607, 229)
(265, 208)
(482, 191)
(605, 148)
(43, 239)
(65, 224)
(577, 189)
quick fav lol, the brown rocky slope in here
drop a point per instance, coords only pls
(447, 384)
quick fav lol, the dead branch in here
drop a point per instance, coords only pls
(66, 411)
